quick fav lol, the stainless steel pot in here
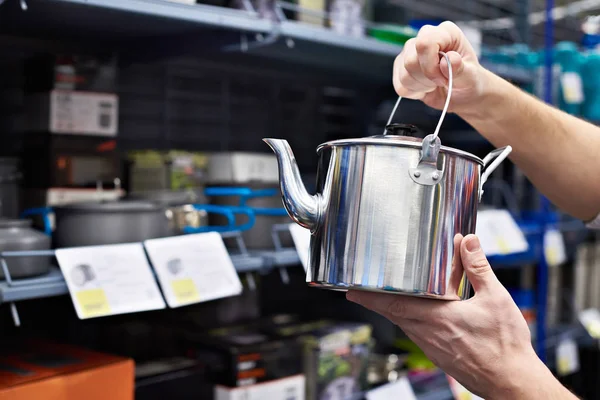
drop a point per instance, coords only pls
(18, 235)
(386, 213)
(181, 210)
(387, 210)
(112, 222)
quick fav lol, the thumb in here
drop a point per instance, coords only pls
(476, 265)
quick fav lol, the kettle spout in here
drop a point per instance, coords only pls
(302, 207)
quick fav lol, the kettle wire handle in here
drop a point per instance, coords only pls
(446, 104)
(492, 160)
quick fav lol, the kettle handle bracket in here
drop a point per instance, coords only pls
(426, 172)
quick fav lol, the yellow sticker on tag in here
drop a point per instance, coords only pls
(185, 290)
(92, 302)
(563, 366)
(502, 245)
(593, 328)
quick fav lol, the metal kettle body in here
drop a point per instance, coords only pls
(384, 219)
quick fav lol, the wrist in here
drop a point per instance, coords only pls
(492, 93)
(528, 378)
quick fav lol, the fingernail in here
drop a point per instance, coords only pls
(473, 244)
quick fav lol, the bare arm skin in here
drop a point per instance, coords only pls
(559, 153)
(484, 342)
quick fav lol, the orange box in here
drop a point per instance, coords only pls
(41, 370)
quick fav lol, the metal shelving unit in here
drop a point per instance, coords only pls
(138, 28)
(49, 285)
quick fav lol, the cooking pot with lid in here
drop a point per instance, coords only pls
(18, 235)
(387, 211)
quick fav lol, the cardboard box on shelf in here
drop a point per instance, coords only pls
(73, 112)
(244, 355)
(240, 167)
(42, 370)
(151, 170)
(335, 356)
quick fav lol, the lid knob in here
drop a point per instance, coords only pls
(402, 130)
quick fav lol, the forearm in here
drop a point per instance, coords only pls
(529, 380)
(559, 153)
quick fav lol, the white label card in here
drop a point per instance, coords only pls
(109, 280)
(572, 87)
(401, 389)
(301, 238)
(590, 319)
(567, 357)
(499, 234)
(554, 248)
(193, 268)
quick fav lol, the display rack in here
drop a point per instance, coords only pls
(139, 27)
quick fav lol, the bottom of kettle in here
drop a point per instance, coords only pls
(343, 287)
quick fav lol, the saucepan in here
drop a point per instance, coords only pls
(387, 210)
(125, 221)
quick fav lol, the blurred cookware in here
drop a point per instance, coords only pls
(18, 235)
(109, 222)
(181, 211)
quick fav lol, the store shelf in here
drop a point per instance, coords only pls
(49, 285)
(137, 28)
(53, 283)
(130, 18)
(516, 74)
(280, 258)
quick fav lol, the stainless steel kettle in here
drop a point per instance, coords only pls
(386, 212)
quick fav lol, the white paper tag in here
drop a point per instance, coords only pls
(567, 357)
(572, 87)
(290, 388)
(461, 392)
(401, 389)
(590, 319)
(499, 234)
(84, 113)
(193, 268)
(301, 238)
(109, 280)
(554, 248)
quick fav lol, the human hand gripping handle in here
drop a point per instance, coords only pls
(420, 74)
(483, 342)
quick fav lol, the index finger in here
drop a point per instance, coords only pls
(399, 306)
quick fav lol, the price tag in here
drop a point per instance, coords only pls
(567, 357)
(499, 234)
(554, 248)
(572, 88)
(401, 389)
(193, 268)
(109, 280)
(301, 238)
(590, 319)
(460, 392)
